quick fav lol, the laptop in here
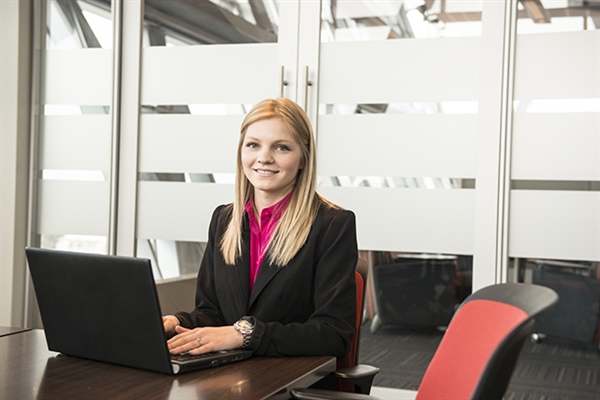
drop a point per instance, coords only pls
(106, 308)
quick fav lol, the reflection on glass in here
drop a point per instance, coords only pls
(415, 107)
(542, 16)
(395, 182)
(79, 24)
(79, 243)
(577, 284)
(576, 281)
(184, 23)
(225, 178)
(416, 289)
(171, 258)
(198, 109)
(351, 20)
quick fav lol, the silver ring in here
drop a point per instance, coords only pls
(199, 342)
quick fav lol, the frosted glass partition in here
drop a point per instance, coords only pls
(203, 66)
(174, 146)
(82, 77)
(561, 65)
(547, 147)
(188, 143)
(563, 225)
(397, 145)
(75, 142)
(73, 207)
(178, 211)
(556, 139)
(229, 74)
(400, 130)
(425, 70)
(411, 220)
(74, 148)
(556, 131)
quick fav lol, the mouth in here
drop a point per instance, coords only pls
(265, 172)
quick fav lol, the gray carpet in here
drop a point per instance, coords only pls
(555, 369)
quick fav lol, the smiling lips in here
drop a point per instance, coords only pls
(265, 172)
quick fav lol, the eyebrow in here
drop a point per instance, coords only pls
(287, 141)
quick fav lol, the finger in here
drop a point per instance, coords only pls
(181, 345)
(202, 349)
(185, 347)
(167, 325)
(182, 334)
(184, 342)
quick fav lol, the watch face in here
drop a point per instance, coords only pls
(244, 324)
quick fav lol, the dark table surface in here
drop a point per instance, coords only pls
(28, 370)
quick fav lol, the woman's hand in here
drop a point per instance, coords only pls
(204, 340)
(170, 322)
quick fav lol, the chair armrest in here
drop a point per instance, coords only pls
(360, 375)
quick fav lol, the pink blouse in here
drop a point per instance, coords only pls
(260, 236)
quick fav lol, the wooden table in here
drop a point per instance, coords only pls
(28, 370)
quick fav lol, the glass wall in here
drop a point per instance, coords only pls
(398, 107)
(554, 220)
(398, 97)
(204, 65)
(75, 130)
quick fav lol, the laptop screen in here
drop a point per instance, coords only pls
(100, 307)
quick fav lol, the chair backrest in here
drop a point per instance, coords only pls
(480, 348)
(351, 359)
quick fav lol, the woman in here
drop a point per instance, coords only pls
(277, 276)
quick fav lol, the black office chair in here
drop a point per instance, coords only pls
(480, 348)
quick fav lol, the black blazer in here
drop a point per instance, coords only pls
(307, 307)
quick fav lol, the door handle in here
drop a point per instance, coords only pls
(307, 83)
(282, 81)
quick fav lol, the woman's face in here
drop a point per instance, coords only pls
(271, 159)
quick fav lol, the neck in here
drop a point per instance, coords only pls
(262, 201)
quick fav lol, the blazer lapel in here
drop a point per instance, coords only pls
(264, 276)
(238, 275)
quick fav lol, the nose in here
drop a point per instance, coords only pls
(265, 157)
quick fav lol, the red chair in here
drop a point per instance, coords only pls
(480, 348)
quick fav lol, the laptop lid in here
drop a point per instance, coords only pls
(106, 308)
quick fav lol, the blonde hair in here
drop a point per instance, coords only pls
(295, 223)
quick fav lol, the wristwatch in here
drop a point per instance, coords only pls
(245, 326)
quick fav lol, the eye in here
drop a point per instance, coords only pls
(251, 145)
(282, 147)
